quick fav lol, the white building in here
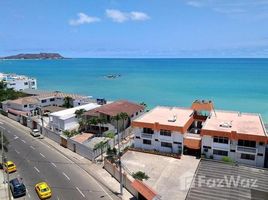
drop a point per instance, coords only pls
(18, 82)
(240, 136)
(66, 119)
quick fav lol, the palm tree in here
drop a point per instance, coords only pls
(101, 146)
(117, 119)
(67, 102)
(92, 121)
(82, 123)
(124, 117)
(79, 113)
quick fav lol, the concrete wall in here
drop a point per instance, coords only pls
(14, 117)
(53, 136)
(81, 149)
(127, 180)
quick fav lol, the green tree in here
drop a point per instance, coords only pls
(140, 176)
(70, 133)
(101, 121)
(79, 113)
(124, 117)
(101, 145)
(91, 122)
(117, 119)
(9, 93)
(67, 102)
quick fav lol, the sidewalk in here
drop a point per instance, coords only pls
(3, 187)
(95, 170)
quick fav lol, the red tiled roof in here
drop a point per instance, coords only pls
(112, 109)
(144, 189)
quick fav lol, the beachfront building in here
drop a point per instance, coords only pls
(66, 119)
(110, 110)
(18, 82)
(201, 129)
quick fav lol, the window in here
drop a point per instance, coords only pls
(33, 83)
(44, 101)
(137, 113)
(206, 147)
(247, 156)
(232, 150)
(223, 140)
(149, 142)
(247, 143)
(220, 152)
(176, 142)
(260, 154)
(138, 137)
(52, 99)
(25, 106)
(165, 132)
(148, 130)
(156, 140)
(25, 83)
(166, 144)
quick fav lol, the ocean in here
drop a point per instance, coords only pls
(232, 84)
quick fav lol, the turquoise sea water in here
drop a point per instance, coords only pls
(233, 84)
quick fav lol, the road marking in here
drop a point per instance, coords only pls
(23, 141)
(53, 164)
(29, 195)
(66, 176)
(17, 151)
(80, 192)
(32, 147)
(58, 198)
(37, 169)
(42, 155)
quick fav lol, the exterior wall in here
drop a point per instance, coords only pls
(57, 124)
(22, 84)
(234, 151)
(176, 139)
(80, 149)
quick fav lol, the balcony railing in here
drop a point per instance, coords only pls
(146, 135)
(246, 149)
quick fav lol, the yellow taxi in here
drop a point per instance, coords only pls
(43, 190)
(10, 167)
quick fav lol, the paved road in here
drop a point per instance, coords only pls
(38, 162)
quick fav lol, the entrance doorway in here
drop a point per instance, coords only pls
(192, 152)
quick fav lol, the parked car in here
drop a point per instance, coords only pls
(43, 190)
(35, 133)
(17, 187)
(10, 167)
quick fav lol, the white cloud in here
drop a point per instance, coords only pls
(83, 19)
(139, 16)
(117, 15)
(120, 17)
(194, 3)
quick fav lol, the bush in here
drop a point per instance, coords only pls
(140, 176)
(70, 133)
(227, 159)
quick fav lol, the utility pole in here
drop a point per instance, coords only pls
(42, 120)
(119, 161)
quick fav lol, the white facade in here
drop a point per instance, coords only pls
(18, 82)
(66, 119)
(241, 154)
(158, 142)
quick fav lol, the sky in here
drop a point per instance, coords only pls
(135, 28)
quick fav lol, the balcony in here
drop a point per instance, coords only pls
(146, 135)
(246, 149)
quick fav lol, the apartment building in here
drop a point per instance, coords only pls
(18, 82)
(201, 129)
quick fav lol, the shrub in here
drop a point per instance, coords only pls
(140, 175)
(227, 159)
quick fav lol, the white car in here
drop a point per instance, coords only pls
(35, 133)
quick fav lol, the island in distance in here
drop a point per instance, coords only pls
(35, 56)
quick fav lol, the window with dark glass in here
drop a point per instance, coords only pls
(220, 152)
(44, 101)
(166, 144)
(149, 142)
(148, 130)
(165, 132)
(247, 143)
(52, 99)
(223, 140)
(247, 156)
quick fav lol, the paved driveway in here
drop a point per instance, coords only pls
(169, 177)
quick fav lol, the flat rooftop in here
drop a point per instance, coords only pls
(167, 175)
(224, 189)
(172, 116)
(228, 121)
